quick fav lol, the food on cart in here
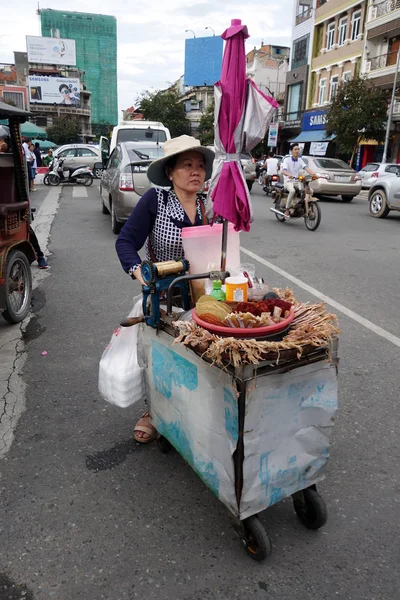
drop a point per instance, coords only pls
(243, 315)
(210, 310)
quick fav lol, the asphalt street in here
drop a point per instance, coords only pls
(87, 514)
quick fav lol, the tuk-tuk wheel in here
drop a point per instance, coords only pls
(163, 444)
(310, 507)
(255, 539)
(18, 287)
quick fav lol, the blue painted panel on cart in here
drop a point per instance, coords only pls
(170, 368)
(231, 415)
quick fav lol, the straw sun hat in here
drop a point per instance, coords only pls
(184, 143)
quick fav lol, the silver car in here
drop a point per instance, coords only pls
(372, 171)
(124, 181)
(384, 196)
(77, 155)
(336, 177)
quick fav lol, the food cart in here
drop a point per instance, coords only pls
(255, 432)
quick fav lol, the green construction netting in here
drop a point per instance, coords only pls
(96, 53)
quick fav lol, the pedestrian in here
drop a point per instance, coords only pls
(33, 167)
(48, 158)
(30, 159)
(157, 221)
(42, 264)
(38, 154)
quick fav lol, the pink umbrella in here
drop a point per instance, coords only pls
(242, 116)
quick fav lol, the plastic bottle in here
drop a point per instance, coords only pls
(217, 291)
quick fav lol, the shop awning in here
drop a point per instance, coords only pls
(312, 136)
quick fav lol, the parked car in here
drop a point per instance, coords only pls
(384, 196)
(124, 181)
(372, 171)
(337, 178)
(80, 155)
(249, 168)
(138, 131)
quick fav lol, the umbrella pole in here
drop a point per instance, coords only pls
(224, 248)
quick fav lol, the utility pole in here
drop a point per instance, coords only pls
(390, 115)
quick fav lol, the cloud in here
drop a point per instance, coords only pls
(151, 35)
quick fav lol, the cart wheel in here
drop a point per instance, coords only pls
(256, 540)
(310, 507)
(163, 444)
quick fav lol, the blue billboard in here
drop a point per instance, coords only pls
(203, 60)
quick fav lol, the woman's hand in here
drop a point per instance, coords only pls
(138, 275)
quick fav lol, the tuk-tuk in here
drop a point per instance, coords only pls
(16, 251)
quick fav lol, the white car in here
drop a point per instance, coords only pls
(79, 155)
(372, 171)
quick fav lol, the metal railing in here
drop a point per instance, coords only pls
(383, 8)
(381, 62)
(304, 16)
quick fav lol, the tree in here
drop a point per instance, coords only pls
(102, 129)
(358, 111)
(206, 127)
(165, 106)
(65, 130)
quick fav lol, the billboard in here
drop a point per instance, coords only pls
(54, 90)
(203, 60)
(273, 135)
(53, 51)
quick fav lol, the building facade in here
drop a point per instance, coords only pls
(381, 46)
(297, 75)
(267, 67)
(96, 52)
(337, 48)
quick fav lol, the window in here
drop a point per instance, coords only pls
(294, 101)
(331, 163)
(342, 30)
(330, 36)
(355, 25)
(393, 169)
(86, 152)
(322, 91)
(334, 85)
(141, 135)
(16, 97)
(300, 52)
(346, 76)
(68, 152)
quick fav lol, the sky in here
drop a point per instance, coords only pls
(151, 35)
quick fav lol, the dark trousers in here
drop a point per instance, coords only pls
(35, 243)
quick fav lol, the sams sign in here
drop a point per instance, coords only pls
(314, 120)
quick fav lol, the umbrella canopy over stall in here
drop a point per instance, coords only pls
(45, 144)
(242, 116)
(31, 130)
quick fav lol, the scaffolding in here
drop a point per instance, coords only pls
(96, 53)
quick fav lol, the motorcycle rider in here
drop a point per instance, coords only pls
(271, 167)
(291, 166)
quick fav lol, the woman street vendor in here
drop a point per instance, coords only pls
(159, 217)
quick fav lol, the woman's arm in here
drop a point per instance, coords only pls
(136, 230)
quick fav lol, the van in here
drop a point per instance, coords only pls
(139, 131)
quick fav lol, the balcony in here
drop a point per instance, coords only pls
(304, 16)
(381, 62)
(59, 109)
(380, 9)
(396, 110)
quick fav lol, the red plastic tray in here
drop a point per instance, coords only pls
(255, 332)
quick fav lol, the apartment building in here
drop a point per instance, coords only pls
(297, 75)
(382, 44)
(338, 47)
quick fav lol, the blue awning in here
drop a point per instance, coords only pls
(312, 136)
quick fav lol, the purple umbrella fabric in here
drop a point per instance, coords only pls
(242, 115)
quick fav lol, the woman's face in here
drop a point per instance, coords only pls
(189, 173)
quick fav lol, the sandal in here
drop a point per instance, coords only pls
(145, 426)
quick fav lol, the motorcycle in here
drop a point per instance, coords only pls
(270, 183)
(80, 174)
(261, 174)
(306, 205)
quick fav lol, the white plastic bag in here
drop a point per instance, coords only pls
(121, 380)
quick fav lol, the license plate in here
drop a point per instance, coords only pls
(341, 178)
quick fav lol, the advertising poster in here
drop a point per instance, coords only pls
(318, 148)
(273, 135)
(203, 60)
(53, 51)
(54, 90)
